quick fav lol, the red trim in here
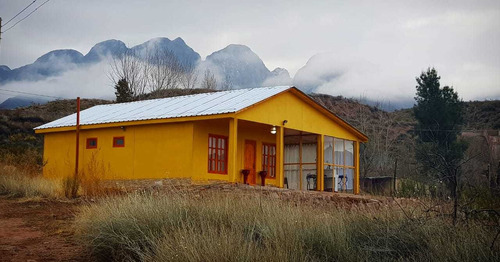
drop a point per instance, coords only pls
(115, 140)
(217, 146)
(89, 140)
(269, 160)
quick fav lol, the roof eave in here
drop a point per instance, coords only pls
(134, 123)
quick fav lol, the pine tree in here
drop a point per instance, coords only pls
(439, 113)
(123, 92)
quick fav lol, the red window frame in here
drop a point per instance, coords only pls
(217, 154)
(89, 140)
(269, 159)
(116, 138)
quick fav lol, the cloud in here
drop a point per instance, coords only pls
(86, 82)
(390, 42)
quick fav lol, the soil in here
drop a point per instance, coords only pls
(38, 230)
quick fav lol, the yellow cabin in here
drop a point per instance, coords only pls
(276, 135)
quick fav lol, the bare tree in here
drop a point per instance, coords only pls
(132, 69)
(209, 82)
(164, 70)
(189, 76)
(226, 84)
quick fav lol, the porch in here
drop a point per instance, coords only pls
(294, 159)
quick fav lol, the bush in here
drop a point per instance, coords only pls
(219, 227)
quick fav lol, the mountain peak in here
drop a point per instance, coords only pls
(111, 47)
(67, 55)
(240, 65)
(179, 40)
(183, 52)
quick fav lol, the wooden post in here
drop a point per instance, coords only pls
(356, 169)
(280, 172)
(300, 162)
(320, 160)
(234, 174)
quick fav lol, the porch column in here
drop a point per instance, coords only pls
(280, 173)
(356, 168)
(232, 170)
(320, 160)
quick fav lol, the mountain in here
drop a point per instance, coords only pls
(56, 62)
(53, 63)
(106, 48)
(185, 54)
(22, 101)
(236, 66)
(4, 72)
(239, 65)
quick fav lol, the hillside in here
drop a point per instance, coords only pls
(482, 115)
(16, 125)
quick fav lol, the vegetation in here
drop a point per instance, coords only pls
(439, 113)
(123, 92)
(227, 227)
(15, 183)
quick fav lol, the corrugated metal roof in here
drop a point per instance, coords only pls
(172, 107)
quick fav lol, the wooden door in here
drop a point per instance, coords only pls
(250, 160)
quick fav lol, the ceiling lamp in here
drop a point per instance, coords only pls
(273, 130)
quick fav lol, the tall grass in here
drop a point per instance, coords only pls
(222, 227)
(15, 183)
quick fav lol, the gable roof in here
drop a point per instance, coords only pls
(172, 107)
(205, 104)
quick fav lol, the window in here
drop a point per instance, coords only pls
(217, 154)
(339, 164)
(91, 143)
(119, 141)
(269, 159)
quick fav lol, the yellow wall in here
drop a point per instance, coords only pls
(299, 114)
(152, 151)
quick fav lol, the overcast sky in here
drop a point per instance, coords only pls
(380, 46)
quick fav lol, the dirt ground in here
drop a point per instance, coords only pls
(38, 230)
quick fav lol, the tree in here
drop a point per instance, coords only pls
(164, 70)
(133, 69)
(123, 92)
(439, 114)
(209, 82)
(189, 78)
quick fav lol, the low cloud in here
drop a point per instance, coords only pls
(86, 82)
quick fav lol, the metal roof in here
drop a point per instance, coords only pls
(182, 106)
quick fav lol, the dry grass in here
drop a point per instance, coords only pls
(228, 227)
(15, 183)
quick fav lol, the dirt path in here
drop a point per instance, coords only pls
(38, 231)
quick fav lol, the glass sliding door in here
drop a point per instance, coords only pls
(339, 164)
(300, 161)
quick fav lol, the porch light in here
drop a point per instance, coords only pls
(273, 130)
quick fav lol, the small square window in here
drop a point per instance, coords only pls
(119, 141)
(91, 143)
